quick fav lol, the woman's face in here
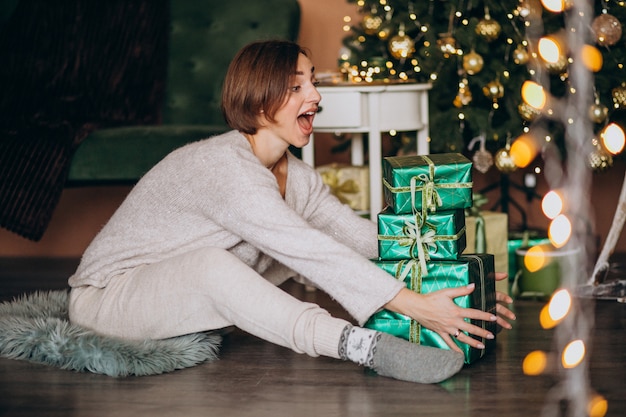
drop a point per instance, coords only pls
(294, 119)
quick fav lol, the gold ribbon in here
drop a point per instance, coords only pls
(430, 196)
(431, 199)
(413, 236)
(414, 268)
(337, 188)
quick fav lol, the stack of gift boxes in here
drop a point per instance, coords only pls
(421, 239)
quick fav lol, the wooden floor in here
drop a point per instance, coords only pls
(254, 378)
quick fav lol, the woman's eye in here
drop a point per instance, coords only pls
(295, 88)
(316, 83)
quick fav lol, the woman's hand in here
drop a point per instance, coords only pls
(501, 309)
(437, 312)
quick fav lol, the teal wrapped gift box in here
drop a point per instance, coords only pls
(441, 236)
(427, 183)
(477, 269)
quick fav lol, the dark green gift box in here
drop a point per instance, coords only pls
(403, 236)
(427, 183)
(477, 269)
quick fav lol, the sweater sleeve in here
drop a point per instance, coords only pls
(247, 203)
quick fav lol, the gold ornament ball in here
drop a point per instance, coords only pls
(464, 95)
(600, 160)
(401, 46)
(607, 29)
(530, 9)
(598, 112)
(447, 45)
(371, 23)
(504, 162)
(520, 55)
(619, 97)
(494, 90)
(488, 28)
(384, 31)
(473, 63)
(558, 67)
(528, 113)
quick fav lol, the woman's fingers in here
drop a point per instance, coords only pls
(501, 275)
(503, 298)
(448, 339)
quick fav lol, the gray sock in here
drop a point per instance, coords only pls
(397, 358)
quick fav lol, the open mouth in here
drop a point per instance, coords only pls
(305, 120)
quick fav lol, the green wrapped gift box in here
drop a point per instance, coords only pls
(478, 269)
(441, 236)
(427, 183)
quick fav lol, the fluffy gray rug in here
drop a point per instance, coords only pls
(36, 328)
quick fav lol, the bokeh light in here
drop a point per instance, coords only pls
(613, 138)
(549, 49)
(560, 230)
(592, 58)
(545, 320)
(573, 354)
(559, 305)
(524, 150)
(598, 406)
(535, 258)
(534, 95)
(555, 6)
(535, 363)
(552, 204)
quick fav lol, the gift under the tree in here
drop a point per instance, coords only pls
(477, 269)
(406, 236)
(349, 183)
(487, 232)
(427, 183)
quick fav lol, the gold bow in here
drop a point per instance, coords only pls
(337, 188)
(430, 196)
(422, 242)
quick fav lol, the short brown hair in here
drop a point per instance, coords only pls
(258, 80)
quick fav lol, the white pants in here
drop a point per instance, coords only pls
(203, 290)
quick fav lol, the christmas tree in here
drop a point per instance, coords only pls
(477, 55)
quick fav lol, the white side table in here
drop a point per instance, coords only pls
(372, 109)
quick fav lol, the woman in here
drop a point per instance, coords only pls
(205, 237)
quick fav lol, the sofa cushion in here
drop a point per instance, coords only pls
(122, 155)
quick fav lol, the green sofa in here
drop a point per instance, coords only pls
(204, 37)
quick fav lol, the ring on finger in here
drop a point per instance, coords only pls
(457, 333)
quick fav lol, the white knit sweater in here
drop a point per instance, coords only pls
(216, 193)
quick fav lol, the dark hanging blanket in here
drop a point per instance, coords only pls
(69, 67)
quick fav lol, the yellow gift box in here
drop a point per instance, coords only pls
(497, 241)
(349, 183)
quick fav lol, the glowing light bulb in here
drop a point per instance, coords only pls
(573, 354)
(535, 258)
(523, 150)
(559, 305)
(613, 138)
(560, 230)
(534, 95)
(535, 363)
(598, 406)
(592, 58)
(549, 49)
(552, 204)
(555, 6)
(545, 320)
